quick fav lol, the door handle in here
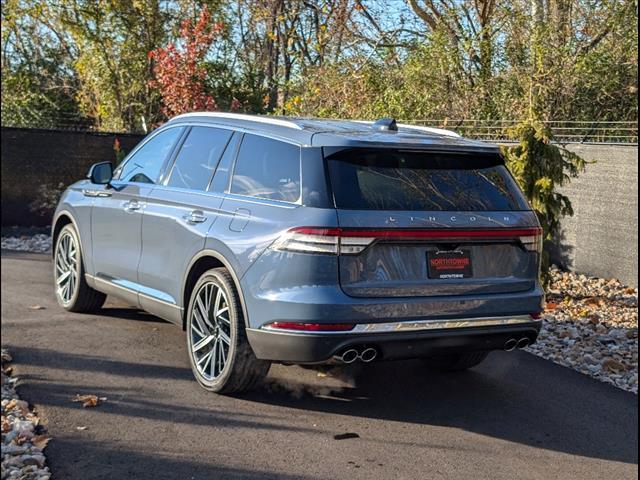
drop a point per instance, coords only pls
(132, 206)
(196, 216)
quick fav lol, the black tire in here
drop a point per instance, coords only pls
(458, 362)
(84, 298)
(242, 370)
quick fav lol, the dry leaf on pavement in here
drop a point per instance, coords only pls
(87, 400)
(40, 441)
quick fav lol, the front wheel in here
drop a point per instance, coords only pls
(72, 291)
(220, 355)
(457, 362)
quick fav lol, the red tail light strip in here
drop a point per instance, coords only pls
(422, 233)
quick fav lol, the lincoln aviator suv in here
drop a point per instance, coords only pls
(306, 241)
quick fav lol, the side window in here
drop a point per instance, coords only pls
(267, 168)
(198, 158)
(145, 165)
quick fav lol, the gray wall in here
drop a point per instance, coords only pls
(601, 239)
(33, 158)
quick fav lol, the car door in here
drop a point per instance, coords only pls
(177, 217)
(263, 199)
(116, 216)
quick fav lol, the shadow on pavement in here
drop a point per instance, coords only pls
(515, 397)
(106, 462)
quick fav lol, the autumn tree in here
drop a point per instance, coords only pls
(179, 73)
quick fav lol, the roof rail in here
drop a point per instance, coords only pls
(438, 131)
(241, 116)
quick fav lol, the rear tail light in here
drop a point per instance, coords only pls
(351, 241)
(533, 242)
(311, 327)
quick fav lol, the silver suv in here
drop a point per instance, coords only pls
(307, 241)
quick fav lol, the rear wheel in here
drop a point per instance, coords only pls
(72, 291)
(457, 362)
(220, 355)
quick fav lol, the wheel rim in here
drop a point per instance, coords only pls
(210, 333)
(66, 267)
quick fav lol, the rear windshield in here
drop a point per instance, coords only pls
(364, 179)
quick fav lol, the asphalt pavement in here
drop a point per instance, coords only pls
(514, 416)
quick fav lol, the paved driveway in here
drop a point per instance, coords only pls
(515, 416)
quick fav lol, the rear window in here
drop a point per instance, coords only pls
(267, 168)
(364, 179)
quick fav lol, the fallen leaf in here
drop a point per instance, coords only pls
(346, 436)
(81, 428)
(6, 425)
(87, 400)
(551, 306)
(629, 291)
(595, 301)
(37, 307)
(612, 365)
(40, 441)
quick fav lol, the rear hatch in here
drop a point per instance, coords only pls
(425, 223)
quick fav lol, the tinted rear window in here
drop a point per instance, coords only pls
(409, 180)
(267, 168)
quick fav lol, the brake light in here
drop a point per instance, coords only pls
(351, 241)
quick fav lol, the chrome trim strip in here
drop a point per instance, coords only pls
(418, 325)
(95, 193)
(134, 288)
(163, 302)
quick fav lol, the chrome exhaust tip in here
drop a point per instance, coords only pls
(368, 355)
(349, 356)
(523, 342)
(510, 344)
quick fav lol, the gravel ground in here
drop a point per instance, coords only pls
(23, 438)
(39, 243)
(590, 324)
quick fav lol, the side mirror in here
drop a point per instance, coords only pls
(101, 173)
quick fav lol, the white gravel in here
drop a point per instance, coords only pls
(590, 325)
(40, 243)
(23, 438)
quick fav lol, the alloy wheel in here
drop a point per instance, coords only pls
(66, 261)
(210, 331)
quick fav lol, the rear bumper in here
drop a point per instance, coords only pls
(465, 335)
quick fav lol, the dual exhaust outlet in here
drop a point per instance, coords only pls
(350, 355)
(512, 343)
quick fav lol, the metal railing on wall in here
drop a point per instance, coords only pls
(564, 131)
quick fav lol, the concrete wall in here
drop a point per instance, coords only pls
(601, 238)
(33, 158)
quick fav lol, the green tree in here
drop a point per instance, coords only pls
(541, 168)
